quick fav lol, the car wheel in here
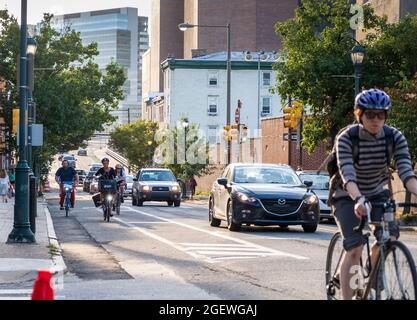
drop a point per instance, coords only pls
(309, 228)
(214, 222)
(170, 203)
(232, 226)
(177, 203)
(283, 226)
(139, 203)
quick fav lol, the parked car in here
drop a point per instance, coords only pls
(129, 185)
(82, 152)
(262, 194)
(321, 189)
(87, 181)
(71, 160)
(82, 174)
(155, 184)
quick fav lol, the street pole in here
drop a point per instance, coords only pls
(128, 115)
(229, 68)
(30, 70)
(357, 78)
(259, 89)
(21, 232)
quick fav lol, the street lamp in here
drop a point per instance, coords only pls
(261, 57)
(357, 54)
(21, 232)
(150, 152)
(32, 46)
(184, 27)
(185, 125)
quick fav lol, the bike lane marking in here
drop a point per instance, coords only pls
(264, 251)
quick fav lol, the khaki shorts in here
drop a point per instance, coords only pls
(343, 210)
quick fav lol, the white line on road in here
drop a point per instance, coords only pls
(193, 244)
(15, 291)
(140, 222)
(163, 240)
(240, 241)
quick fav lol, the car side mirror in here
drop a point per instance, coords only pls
(308, 183)
(222, 181)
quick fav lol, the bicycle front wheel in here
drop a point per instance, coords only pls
(333, 261)
(397, 277)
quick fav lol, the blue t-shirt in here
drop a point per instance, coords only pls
(66, 174)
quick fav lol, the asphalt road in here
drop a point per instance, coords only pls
(161, 252)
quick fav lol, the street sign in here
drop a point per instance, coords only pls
(37, 135)
(237, 115)
(294, 136)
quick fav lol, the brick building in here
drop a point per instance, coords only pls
(277, 149)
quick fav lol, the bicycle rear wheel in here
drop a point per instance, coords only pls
(333, 261)
(397, 277)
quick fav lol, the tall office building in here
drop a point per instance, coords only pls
(121, 35)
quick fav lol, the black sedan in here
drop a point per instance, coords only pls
(260, 194)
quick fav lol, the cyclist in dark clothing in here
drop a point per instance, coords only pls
(106, 172)
(66, 174)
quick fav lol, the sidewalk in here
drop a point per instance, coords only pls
(19, 262)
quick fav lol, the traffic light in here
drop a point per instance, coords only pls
(288, 117)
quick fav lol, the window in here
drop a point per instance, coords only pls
(213, 79)
(266, 79)
(266, 106)
(212, 133)
(212, 105)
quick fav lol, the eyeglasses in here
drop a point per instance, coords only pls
(371, 115)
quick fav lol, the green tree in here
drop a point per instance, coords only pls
(73, 96)
(135, 142)
(183, 150)
(316, 50)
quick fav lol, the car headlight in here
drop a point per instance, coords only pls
(109, 197)
(66, 189)
(175, 188)
(146, 188)
(245, 198)
(311, 199)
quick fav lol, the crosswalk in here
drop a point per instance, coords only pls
(15, 294)
(213, 252)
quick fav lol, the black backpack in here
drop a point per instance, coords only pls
(353, 131)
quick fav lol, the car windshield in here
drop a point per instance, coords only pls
(69, 158)
(129, 179)
(157, 176)
(82, 172)
(265, 175)
(320, 181)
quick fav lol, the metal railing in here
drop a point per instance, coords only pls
(123, 161)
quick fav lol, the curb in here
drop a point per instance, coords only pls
(405, 228)
(60, 266)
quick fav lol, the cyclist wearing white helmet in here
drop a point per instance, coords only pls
(363, 153)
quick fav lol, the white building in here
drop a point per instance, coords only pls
(197, 89)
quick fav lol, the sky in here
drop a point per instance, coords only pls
(36, 8)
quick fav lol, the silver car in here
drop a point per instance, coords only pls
(321, 189)
(156, 184)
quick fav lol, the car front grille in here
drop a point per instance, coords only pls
(273, 206)
(160, 189)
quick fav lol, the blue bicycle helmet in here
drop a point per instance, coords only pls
(373, 99)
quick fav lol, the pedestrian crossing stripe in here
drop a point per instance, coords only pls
(223, 251)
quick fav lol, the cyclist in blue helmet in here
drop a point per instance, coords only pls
(363, 152)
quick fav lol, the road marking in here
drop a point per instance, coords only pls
(236, 240)
(140, 222)
(163, 240)
(15, 291)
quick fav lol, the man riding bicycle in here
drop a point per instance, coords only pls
(363, 177)
(66, 174)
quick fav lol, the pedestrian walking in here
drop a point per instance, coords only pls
(4, 185)
(193, 185)
(12, 180)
